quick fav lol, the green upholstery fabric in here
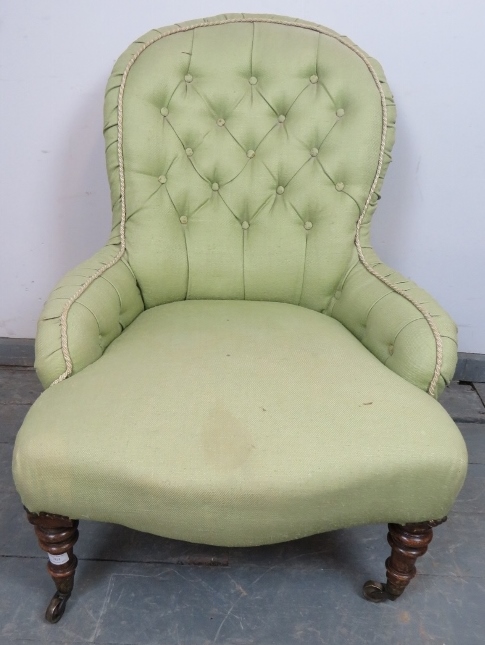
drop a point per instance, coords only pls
(284, 124)
(228, 368)
(238, 423)
(391, 327)
(218, 115)
(96, 317)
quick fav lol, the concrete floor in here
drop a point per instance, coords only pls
(137, 589)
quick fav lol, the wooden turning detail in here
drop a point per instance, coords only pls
(57, 536)
(408, 542)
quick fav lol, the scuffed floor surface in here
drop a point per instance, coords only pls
(137, 589)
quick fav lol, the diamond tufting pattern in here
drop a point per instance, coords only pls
(269, 124)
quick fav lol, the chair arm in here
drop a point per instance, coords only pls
(399, 323)
(87, 310)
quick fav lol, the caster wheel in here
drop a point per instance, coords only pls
(56, 607)
(376, 592)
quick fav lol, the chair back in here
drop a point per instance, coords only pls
(243, 153)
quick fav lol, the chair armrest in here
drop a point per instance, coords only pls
(399, 323)
(87, 310)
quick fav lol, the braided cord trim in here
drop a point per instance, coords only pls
(119, 255)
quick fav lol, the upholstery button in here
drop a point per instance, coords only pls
(188, 78)
(215, 186)
(162, 179)
(220, 122)
(183, 219)
(339, 186)
(340, 112)
(250, 154)
(337, 295)
(308, 225)
(282, 118)
(253, 80)
(164, 111)
(314, 152)
(313, 78)
(280, 190)
(391, 349)
(245, 225)
(189, 152)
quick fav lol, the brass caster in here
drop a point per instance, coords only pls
(377, 592)
(56, 607)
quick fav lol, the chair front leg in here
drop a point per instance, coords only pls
(57, 535)
(408, 542)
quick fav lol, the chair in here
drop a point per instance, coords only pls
(236, 366)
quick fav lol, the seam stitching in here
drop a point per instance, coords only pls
(119, 255)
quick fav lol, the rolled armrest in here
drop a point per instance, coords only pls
(90, 307)
(400, 324)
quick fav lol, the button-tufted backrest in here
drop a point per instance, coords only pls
(242, 151)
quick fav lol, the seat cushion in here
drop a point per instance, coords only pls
(238, 423)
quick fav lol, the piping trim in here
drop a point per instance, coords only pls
(63, 319)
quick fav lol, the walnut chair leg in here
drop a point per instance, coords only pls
(57, 535)
(408, 542)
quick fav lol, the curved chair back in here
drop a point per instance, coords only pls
(243, 154)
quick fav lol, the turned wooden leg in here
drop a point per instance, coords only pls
(408, 542)
(57, 536)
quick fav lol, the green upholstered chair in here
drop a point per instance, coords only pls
(236, 366)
